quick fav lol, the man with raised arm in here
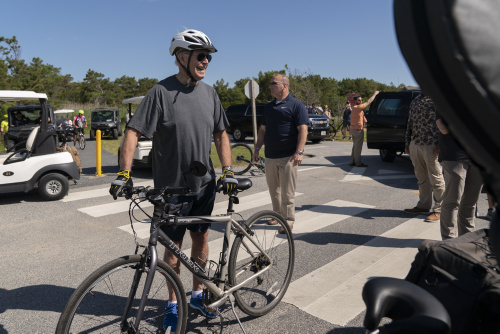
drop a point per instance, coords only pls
(181, 114)
(357, 130)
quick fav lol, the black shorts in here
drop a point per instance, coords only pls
(346, 123)
(199, 205)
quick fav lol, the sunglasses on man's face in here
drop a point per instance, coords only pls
(202, 56)
(274, 83)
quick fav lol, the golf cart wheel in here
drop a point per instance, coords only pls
(92, 135)
(53, 186)
(120, 131)
(115, 134)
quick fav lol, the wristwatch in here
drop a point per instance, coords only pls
(300, 152)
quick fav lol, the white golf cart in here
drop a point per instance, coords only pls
(39, 164)
(142, 154)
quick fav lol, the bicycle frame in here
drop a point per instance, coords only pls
(217, 289)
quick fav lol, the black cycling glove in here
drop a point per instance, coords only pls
(122, 181)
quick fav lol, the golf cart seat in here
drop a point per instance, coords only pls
(23, 153)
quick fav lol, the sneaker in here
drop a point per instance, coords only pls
(170, 318)
(416, 210)
(362, 165)
(433, 217)
(490, 213)
(197, 304)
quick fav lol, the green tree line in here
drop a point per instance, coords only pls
(97, 90)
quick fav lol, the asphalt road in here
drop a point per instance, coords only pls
(350, 226)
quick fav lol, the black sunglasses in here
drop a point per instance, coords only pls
(274, 83)
(202, 56)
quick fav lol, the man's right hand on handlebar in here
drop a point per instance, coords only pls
(122, 182)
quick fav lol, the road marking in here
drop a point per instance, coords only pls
(306, 221)
(356, 174)
(315, 147)
(220, 208)
(101, 192)
(333, 292)
(304, 169)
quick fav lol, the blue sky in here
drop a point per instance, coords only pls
(332, 38)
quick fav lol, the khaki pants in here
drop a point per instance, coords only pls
(281, 177)
(357, 146)
(429, 175)
(463, 187)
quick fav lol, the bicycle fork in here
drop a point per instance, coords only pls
(153, 255)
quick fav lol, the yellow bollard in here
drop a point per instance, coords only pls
(98, 152)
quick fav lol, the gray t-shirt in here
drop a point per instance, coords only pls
(181, 121)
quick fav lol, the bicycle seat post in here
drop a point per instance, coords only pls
(232, 200)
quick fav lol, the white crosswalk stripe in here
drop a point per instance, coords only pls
(101, 192)
(332, 292)
(356, 174)
(246, 202)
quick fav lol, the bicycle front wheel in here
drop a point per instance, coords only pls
(98, 304)
(81, 141)
(241, 158)
(262, 294)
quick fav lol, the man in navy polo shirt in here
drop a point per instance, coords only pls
(284, 132)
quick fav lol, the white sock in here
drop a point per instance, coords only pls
(196, 294)
(170, 303)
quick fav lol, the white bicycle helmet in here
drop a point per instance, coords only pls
(191, 40)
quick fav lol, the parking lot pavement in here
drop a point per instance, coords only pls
(350, 225)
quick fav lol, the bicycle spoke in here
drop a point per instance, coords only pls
(275, 265)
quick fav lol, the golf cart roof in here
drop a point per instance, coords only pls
(64, 111)
(20, 95)
(133, 100)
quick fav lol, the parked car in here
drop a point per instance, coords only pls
(39, 164)
(387, 118)
(108, 121)
(240, 122)
(142, 153)
(22, 120)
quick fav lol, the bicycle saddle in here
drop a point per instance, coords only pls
(412, 309)
(243, 184)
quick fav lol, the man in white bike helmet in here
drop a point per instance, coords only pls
(181, 114)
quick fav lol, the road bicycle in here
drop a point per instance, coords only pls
(242, 159)
(80, 138)
(129, 294)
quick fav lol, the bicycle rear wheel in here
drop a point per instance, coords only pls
(241, 158)
(98, 304)
(81, 142)
(262, 294)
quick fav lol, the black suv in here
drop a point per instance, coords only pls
(22, 120)
(108, 121)
(240, 122)
(387, 118)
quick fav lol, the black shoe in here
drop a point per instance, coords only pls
(351, 164)
(362, 165)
